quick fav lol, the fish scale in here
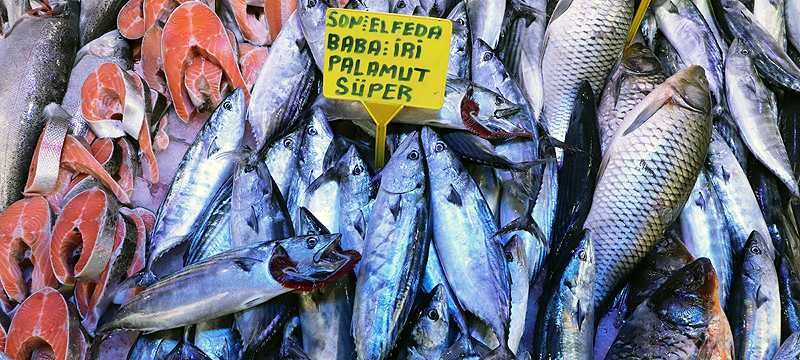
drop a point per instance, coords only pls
(581, 44)
(648, 176)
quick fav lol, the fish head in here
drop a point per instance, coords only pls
(285, 148)
(486, 106)
(309, 262)
(405, 171)
(110, 45)
(638, 59)
(514, 250)
(739, 55)
(438, 156)
(756, 257)
(317, 137)
(689, 296)
(691, 90)
(235, 103)
(668, 255)
(433, 321)
(312, 15)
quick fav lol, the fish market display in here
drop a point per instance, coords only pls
(174, 185)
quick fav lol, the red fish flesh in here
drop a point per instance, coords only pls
(194, 30)
(130, 20)
(25, 243)
(45, 327)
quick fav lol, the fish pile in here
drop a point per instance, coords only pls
(173, 185)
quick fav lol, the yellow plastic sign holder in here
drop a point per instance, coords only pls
(386, 62)
(637, 20)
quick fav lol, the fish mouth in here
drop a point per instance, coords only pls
(329, 264)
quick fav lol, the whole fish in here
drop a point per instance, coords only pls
(463, 226)
(635, 76)
(686, 29)
(576, 179)
(755, 111)
(523, 48)
(186, 351)
(792, 17)
(638, 194)
(320, 199)
(486, 20)
(770, 15)
(285, 85)
(354, 193)
(668, 256)
(609, 324)
(790, 349)
(567, 329)
(459, 60)
(325, 314)
(13, 10)
(667, 55)
(233, 281)
(216, 234)
(704, 231)
(705, 8)
(789, 287)
(282, 158)
(466, 107)
(677, 321)
(429, 333)
(155, 346)
(98, 17)
(519, 272)
(573, 53)
(258, 211)
(395, 252)
(111, 47)
(771, 60)
(37, 58)
(755, 302)
(739, 204)
(205, 167)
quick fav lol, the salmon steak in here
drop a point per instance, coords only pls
(130, 20)
(25, 248)
(251, 59)
(194, 30)
(83, 236)
(116, 103)
(45, 327)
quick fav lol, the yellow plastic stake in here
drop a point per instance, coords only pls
(637, 20)
(386, 62)
(381, 114)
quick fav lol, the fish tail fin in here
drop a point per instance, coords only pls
(146, 279)
(502, 352)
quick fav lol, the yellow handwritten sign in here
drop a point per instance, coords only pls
(385, 61)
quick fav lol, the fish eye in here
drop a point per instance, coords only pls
(357, 170)
(227, 105)
(509, 255)
(288, 143)
(582, 255)
(401, 4)
(439, 147)
(312, 3)
(413, 155)
(311, 242)
(755, 250)
(487, 56)
(498, 100)
(312, 131)
(473, 113)
(249, 168)
(745, 51)
(461, 22)
(432, 314)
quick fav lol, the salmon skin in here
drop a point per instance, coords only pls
(46, 327)
(37, 58)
